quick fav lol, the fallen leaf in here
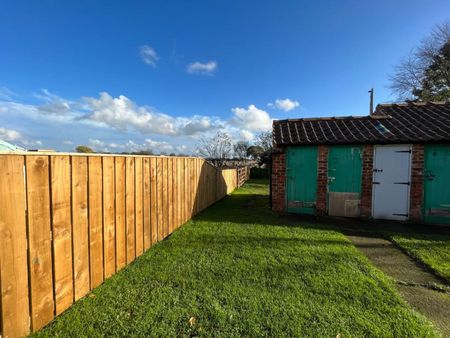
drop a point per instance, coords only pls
(192, 321)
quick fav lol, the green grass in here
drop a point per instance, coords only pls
(238, 270)
(432, 250)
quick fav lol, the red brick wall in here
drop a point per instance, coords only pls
(416, 188)
(322, 180)
(279, 180)
(366, 184)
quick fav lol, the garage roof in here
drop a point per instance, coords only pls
(390, 123)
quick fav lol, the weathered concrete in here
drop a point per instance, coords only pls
(419, 287)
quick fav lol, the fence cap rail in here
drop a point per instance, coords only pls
(55, 153)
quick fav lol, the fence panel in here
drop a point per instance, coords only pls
(80, 235)
(146, 203)
(129, 206)
(84, 217)
(95, 220)
(121, 232)
(139, 216)
(62, 231)
(14, 303)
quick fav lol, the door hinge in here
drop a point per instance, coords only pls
(404, 215)
(403, 151)
(405, 183)
(375, 182)
(377, 170)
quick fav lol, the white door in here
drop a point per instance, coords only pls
(391, 181)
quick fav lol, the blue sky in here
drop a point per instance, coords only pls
(130, 75)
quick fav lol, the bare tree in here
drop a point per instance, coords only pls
(263, 147)
(409, 76)
(264, 140)
(217, 147)
(240, 149)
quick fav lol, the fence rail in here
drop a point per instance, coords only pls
(68, 222)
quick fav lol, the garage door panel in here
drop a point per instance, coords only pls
(391, 181)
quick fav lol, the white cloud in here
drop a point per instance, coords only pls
(284, 104)
(148, 55)
(247, 135)
(252, 118)
(121, 113)
(53, 104)
(207, 68)
(67, 142)
(6, 93)
(157, 146)
(10, 135)
(30, 143)
(197, 124)
(96, 143)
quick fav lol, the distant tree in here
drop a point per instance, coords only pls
(142, 152)
(255, 152)
(263, 148)
(424, 74)
(240, 149)
(264, 140)
(83, 149)
(436, 83)
(217, 147)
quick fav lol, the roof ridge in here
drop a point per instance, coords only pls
(413, 103)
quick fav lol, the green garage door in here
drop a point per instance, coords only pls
(344, 180)
(301, 172)
(437, 184)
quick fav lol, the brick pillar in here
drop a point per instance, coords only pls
(322, 180)
(416, 188)
(366, 181)
(279, 180)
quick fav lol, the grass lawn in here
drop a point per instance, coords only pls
(432, 250)
(237, 270)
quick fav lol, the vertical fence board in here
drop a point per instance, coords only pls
(184, 191)
(14, 300)
(130, 209)
(80, 226)
(170, 195)
(194, 191)
(178, 192)
(62, 231)
(146, 203)
(95, 220)
(159, 200)
(139, 216)
(109, 231)
(121, 239)
(40, 254)
(166, 197)
(153, 197)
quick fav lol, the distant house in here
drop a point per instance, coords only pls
(8, 147)
(393, 164)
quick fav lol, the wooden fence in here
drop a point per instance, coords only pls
(68, 222)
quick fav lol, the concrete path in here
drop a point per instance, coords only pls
(420, 288)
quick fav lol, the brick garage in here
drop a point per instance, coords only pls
(396, 138)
